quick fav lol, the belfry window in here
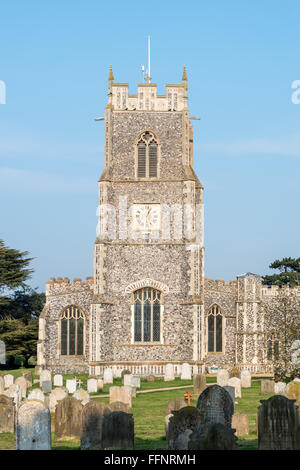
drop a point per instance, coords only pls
(147, 303)
(72, 332)
(147, 151)
(215, 329)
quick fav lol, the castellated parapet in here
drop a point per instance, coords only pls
(64, 286)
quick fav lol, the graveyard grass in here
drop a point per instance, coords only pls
(149, 412)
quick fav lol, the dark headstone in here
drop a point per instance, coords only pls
(68, 418)
(91, 425)
(181, 421)
(216, 406)
(7, 414)
(231, 391)
(212, 436)
(278, 424)
(118, 431)
(199, 383)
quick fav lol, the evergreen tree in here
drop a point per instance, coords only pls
(289, 273)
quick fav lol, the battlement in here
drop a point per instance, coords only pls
(220, 284)
(63, 285)
(274, 290)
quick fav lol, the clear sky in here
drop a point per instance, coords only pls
(241, 59)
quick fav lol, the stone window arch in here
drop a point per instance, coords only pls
(147, 315)
(272, 347)
(215, 329)
(147, 156)
(72, 331)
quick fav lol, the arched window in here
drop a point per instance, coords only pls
(71, 332)
(272, 348)
(147, 315)
(215, 329)
(147, 151)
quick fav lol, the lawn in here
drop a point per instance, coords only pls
(149, 412)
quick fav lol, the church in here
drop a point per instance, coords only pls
(148, 303)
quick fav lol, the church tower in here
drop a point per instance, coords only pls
(147, 307)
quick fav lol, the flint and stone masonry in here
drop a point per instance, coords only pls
(173, 266)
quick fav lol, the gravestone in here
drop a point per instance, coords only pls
(68, 418)
(186, 373)
(231, 391)
(1, 384)
(240, 423)
(174, 405)
(71, 385)
(100, 384)
(212, 436)
(234, 372)
(150, 378)
(127, 379)
(82, 395)
(8, 380)
(22, 382)
(236, 383)
(280, 388)
(135, 381)
(36, 394)
(215, 405)
(169, 373)
(117, 431)
(293, 391)
(123, 394)
(222, 377)
(119, 406)
(125, 372)
(55, 396)
(180, 421)
(28, 377)
(7, 414)
(45, 376)
(199, 381)
(14, 391)
(108, 377)
(181, 442)
(58, 380)
(47, 386)
(278, 424)
(92, 385)
(91, 425)
(33, 430)
(245, 379)
(267, 386)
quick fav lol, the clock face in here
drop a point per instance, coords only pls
(146, 217)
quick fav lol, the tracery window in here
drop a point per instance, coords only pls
(272, 348)
(215, 329)
(147, 149)
(72, 332)
(147, 303)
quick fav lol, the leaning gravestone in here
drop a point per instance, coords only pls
(58, 380)
(181, 421)
(240, 423)
(231, 391)
(8, 380)
(1, 384)
(55, 396)
(236, 383)
(216, 406)
(7, 414)
(36, 394)
(245, 379)
(47, 386)
(91, 425)
(119, 406)
(199, 381)
(280, 388)
(68, 418)
(108, 377)
(293, 391)
(212, 436)
(267, 386)
(71, 385)
(21, 381)
(278, 424)
(186, 373)
(33, 430)
(82, 395)
(45, 376)
(92, 385)
(169, 373)
(117, 431)
(222, 377)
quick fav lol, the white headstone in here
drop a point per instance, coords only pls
(55, 396)
(71, 385)
(82, 395)
(36, 394)
(186, 372)
(127, 379)
(236, 383)
(33, 430)
(280, 388)
(14, 391)
(108, 376)
(92, 385)
(45, 375)
(8, 380)
(100, 383)
(222, 377)
(169, 373)
(22, 382)
(58, 380)
(135, 381)
(245, 379)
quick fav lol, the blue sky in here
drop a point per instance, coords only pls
(241, 60)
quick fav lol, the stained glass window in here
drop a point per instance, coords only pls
(146, 315)
(215, 329)
(72, 331)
